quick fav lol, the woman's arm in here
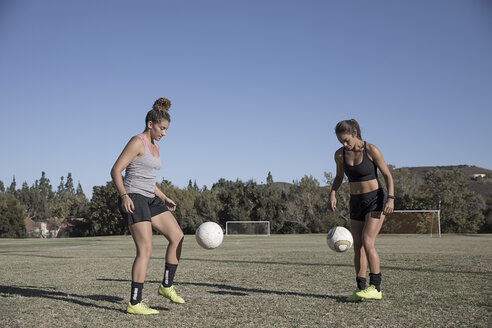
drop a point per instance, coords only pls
(131, 151)
(168, 201)
(337, 182)
(377, 158)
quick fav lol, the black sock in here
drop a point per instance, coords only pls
(375, 279)
(169, 271)
(361, 282)
(136, 294)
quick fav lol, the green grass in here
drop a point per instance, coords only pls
(276, 281)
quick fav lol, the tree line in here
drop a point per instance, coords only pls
(300, 207)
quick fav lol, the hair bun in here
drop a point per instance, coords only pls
(162, 104)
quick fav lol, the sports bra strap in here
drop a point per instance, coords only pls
(145, 141)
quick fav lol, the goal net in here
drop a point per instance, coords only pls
(252, 228)
(413, 222)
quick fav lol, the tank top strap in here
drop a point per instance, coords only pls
(145, 142)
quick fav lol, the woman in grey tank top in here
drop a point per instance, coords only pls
(146, 207)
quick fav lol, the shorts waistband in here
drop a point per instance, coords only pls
(368, 195)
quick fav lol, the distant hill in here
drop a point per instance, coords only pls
(482, 186)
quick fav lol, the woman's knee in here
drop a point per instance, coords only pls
(144, 250)
(368, 243)
(176, 237)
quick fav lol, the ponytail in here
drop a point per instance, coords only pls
(348, 126)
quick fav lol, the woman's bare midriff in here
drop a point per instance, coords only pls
(357, 188)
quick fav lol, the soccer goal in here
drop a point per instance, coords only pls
(413, 222)
(247, 228)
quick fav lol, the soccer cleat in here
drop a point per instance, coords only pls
(140, 308)
(354, 297)
(370, 293)
(170, 293)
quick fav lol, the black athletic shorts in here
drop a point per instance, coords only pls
(362, 204)
(145, 208)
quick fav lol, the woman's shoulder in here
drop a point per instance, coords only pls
(370, 146)
(339, 154)
(372, 150)
(137, 138)
(136, 144)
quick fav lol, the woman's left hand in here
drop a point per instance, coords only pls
(170, 204)
(390, 205)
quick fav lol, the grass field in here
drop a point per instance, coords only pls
(276, 281)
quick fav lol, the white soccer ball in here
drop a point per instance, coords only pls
(339, 239)
(209, 235)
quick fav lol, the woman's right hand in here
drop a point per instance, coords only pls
(333, 202)
(127, 204)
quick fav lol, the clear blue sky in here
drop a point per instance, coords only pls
(256, 86)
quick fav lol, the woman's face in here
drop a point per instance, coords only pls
(158, 130)
(348, 140)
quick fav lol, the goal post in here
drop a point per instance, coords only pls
(247, 228)
(413, 222)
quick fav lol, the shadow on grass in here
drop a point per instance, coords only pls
(417, 269)
(228, 293)
(35, 255)
(49, 293)
(239, 291)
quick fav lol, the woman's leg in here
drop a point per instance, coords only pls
(142, 236)
(373, 224)
(360, 260)
(167, 225)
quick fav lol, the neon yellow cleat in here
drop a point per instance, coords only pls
(140, 308)
(354, 297)
(370, 293)
(170, 293)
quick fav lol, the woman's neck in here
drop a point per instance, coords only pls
(359, 145)
(146, 133)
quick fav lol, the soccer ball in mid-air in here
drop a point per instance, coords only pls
(209, 235)
(339, 239)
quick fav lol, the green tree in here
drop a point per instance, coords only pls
(105, 218)
(11, 217)
(207, 206)
(406, 185)
(60, 192)
(2, 187)
(79, 192)
(12, 188)
(36, 206)
(44, 187)
(268, 203)
(461, 208)
(304, 209)
(487, 227)
(69, 189)
(42, 198)
(185, 212)
(234, 203)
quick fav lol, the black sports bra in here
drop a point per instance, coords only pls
(365, 171)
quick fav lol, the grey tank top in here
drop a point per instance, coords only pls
(140, 174)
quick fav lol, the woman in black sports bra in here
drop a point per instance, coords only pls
(359, 160)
